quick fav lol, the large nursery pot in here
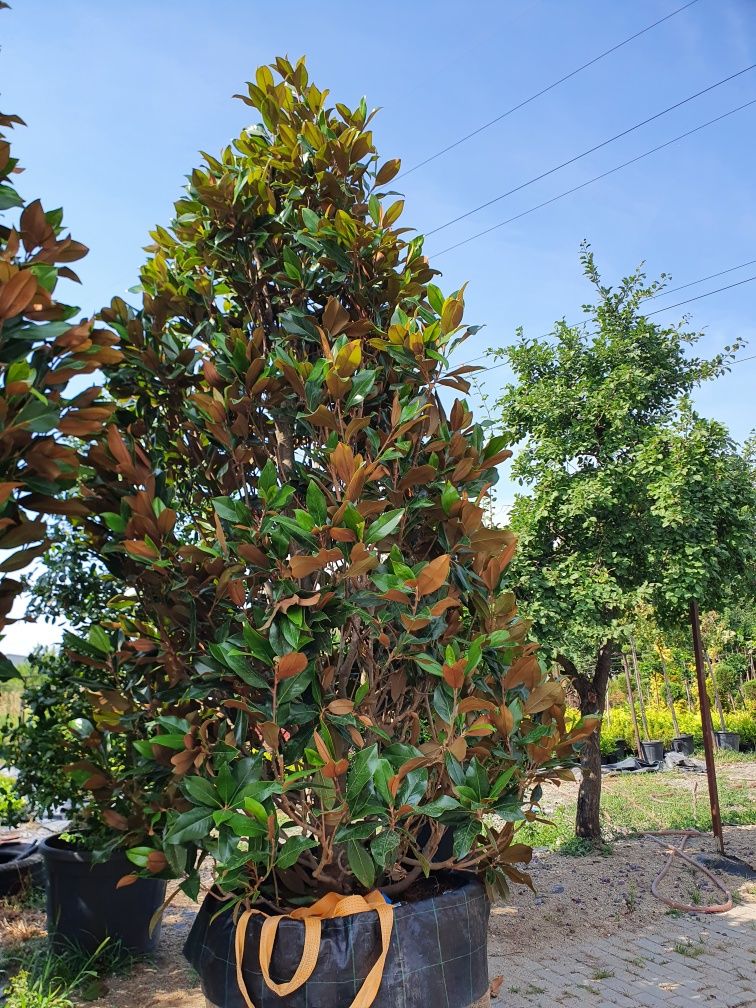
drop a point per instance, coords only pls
(434, 946)
(653, 751)
(21, 868)
(84, 905)
(683, 744)
(727, 740)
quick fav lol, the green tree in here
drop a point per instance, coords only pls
(588, 407)
(335, 669)
(72, 584)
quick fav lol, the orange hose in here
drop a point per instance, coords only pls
(673, 852)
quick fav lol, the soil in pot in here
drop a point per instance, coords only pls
(683, 744)
(21, 867)
(84, 905)
(653, 751)
(727, 740)
(439, 934)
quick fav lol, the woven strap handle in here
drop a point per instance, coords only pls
(328, 907)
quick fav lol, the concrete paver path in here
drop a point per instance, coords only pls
(703, 959)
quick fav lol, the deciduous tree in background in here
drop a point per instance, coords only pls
(615, 464)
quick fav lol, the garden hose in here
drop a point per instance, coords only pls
(673, 851)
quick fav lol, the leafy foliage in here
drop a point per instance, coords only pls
(318, 624)
(73, 585)
(12, 805)
(63, 761)
(631, 497)
(40, 351)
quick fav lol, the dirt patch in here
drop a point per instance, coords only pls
(601, 896)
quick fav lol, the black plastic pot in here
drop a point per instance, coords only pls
(653, 751)
(727, 740)
(84, 905)
(683, 744)
(21, 867)
(621, 749)
(437, 954)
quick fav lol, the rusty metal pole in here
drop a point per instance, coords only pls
(708, 733)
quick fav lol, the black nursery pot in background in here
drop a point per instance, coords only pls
(84, 905)
(437, 954)
(683, 744)
(727, 740)
(653, 751)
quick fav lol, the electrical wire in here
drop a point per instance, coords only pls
(736, 360)
(545, 90)
(698, 298)
(591, 150)
(596, 178)
(669, 290)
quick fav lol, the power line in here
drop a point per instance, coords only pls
(711, 276)
(596, 178)
(737, 360)
(670, 290)
(545, 90)
(739, 283)
(591, 150)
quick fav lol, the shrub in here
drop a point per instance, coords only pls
(319, 621)
(12, 805)
(61, 757)
(619, 726)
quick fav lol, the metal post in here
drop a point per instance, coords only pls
(708, 733)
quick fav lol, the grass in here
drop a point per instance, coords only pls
(643, 803)
(37, 977)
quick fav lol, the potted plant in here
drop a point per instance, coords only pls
(683, 743)
(348, 719)
(653, 750)
(63, 760)
(727, 740)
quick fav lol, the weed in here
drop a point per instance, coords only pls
(41, 978)
(631, 897)
(602, 974)
(687, 948)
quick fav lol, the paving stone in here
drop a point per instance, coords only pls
(646, 969)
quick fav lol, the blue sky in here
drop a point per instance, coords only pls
(118, 105)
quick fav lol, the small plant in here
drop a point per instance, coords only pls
(631, 897)
(602, 974)
(13, 808)
(54, 745)
(44, 979)
(689, 949)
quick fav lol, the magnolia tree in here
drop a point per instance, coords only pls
(318, 626)
(41, 350)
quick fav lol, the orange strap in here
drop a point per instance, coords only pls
(331, 905)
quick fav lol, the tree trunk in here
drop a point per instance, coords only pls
(592, 693)
(668, 693)
(631, 704)
(639, 688)
(717, 697)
